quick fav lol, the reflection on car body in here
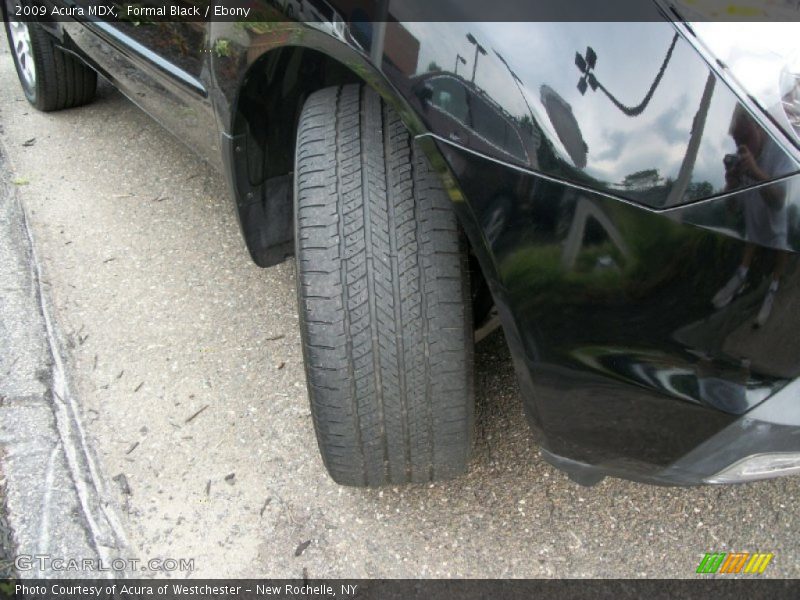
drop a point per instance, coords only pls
(467, 113)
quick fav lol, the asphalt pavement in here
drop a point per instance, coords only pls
(184, 362)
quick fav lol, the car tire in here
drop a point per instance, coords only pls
(51, 78)
(383, 295)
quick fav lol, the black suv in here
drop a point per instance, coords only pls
(620, 197)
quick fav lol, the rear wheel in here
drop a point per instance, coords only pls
(50, 78)
(383, 291)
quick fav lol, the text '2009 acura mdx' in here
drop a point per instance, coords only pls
(621, 197)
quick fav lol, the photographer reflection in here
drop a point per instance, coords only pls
(758, 159)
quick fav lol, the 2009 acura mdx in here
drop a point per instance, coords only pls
(625, 194)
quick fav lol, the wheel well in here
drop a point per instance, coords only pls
(264, 129)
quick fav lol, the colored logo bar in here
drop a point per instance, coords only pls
(734, 562)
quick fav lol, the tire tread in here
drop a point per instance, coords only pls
(383, 294)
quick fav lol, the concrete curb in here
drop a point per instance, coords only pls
(56, 497)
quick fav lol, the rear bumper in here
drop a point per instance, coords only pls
(762, 444)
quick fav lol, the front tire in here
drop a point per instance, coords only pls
(383, 294)
(51, 78)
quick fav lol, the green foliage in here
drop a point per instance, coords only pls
(657, 251)
(222, 48)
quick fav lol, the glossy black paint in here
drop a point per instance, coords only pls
(651, 132)
(608, 306)
(585, 161)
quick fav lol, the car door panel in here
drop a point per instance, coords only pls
(159, 66)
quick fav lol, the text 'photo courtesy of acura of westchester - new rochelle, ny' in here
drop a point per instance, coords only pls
(622, 198)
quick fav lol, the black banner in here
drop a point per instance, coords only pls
(337, 12)
(320, 589)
